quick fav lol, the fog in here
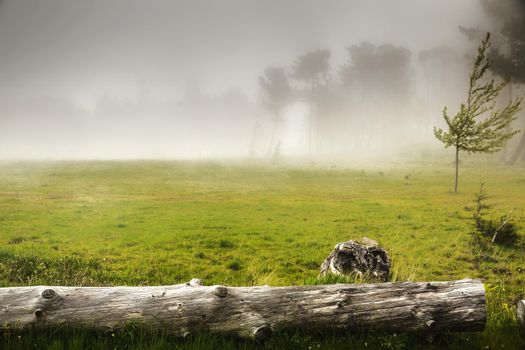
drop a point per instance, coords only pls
(232, 78)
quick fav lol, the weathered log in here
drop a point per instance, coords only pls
(251, 312)
(362, 257)
(521, 316)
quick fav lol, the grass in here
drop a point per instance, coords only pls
(235, 223)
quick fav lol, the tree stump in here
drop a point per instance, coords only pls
(363, 257)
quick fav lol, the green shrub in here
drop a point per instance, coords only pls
(489, 231)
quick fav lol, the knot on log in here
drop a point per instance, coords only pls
(364, 258)
(260, 334)
(48, 294)
(221, 291)
(39, 313)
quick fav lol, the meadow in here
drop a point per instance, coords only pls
(253, 223)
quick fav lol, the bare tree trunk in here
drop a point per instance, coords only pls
(274, 131)
(457, 170)
(254, 137)
(251, 312)
(310, 122)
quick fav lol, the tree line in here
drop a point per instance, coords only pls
(372, 93)
(379, 77)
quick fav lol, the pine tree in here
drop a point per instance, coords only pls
(478, 127)
(508, 53)
(313, 69)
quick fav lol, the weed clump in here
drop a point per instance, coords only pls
(200, 255)
(225, 244)
(235, 265)
(17, 240)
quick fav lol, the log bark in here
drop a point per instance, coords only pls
(251, 312)
(521, 316)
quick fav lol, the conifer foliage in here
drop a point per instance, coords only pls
(479, 127)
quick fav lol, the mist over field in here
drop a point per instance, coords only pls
(185, 79)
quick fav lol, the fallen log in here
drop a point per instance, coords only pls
(251, 312)
(521, 316)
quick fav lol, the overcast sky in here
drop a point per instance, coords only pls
(82, 49)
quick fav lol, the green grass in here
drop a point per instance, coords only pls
(152, 222)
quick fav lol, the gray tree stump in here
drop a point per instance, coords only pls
(363, 257)
(251, 312)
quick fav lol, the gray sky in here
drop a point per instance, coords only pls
(81, 49)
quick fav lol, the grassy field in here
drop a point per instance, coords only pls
(248, 223)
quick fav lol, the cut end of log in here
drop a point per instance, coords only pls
(521, 316)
